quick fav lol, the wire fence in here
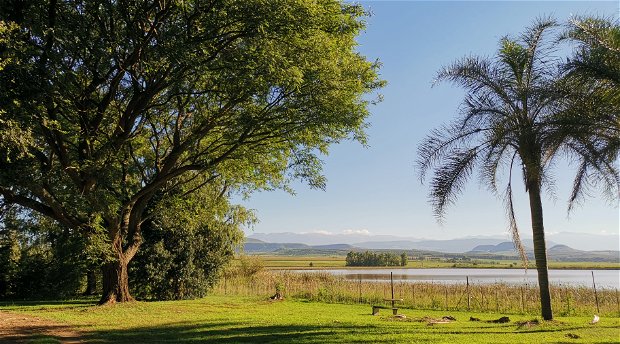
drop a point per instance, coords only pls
(567, 300)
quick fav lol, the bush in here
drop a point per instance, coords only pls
(39, 259)
(174, 264)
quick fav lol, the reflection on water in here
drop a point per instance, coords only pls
(603, 278)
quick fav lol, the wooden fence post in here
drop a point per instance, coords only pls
(360, 288)
(617, 302)
(497, 300)
(522, 300)
(595, 294)
(468, 296)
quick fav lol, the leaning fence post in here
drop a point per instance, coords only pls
(595, 294)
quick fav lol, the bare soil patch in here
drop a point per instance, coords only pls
(21, 328)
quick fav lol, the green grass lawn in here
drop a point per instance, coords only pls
(225, 319)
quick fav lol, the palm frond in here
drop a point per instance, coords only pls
(449, 179)
(537, 51)
(439, 143)
(475, 74)
(598, 166)
(498, 144)
(578, 186)
(512, 221)
(513, 227)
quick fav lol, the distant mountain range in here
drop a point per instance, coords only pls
(555, 252)
(578, 241)
(255, 246)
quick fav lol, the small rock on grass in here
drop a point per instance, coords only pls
(500, 320)
(528, 323)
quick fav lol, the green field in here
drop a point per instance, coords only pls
(221, 319)
(313, 262)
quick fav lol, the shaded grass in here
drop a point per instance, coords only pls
(220, 319)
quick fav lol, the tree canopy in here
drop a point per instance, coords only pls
(109, 106)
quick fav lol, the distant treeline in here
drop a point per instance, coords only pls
(375, 259)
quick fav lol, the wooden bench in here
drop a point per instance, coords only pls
(375, 309)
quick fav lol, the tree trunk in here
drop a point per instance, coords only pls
(540, 249)
(91, 282)
(115, 278)
(115, 282)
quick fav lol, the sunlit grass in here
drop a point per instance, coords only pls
(233, 319)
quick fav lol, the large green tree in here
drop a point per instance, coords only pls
(109, 105)
(515, 115)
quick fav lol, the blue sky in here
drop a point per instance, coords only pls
(376, 189)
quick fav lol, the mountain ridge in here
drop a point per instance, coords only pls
(579, 241)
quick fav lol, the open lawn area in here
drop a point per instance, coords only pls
(226, 319)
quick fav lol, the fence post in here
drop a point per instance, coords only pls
(360, 288)
(617, 302)
(482, 304)
(497, 300)
(567, 302)
(595, 294)
(468, 296)
(522, 300)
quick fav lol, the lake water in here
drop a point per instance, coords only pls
(603, 278)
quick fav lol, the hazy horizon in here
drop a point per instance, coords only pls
(580, 241)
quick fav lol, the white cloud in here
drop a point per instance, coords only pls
(356, 231)
(319, 232)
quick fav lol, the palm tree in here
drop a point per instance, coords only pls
(592, 84)
(511, 117)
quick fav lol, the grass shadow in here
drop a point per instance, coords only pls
(13, 304)
(230, 332)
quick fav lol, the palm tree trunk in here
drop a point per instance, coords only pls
(540, 249)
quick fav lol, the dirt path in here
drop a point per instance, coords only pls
(21, 328)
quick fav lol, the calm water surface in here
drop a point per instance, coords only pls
(603, 278)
